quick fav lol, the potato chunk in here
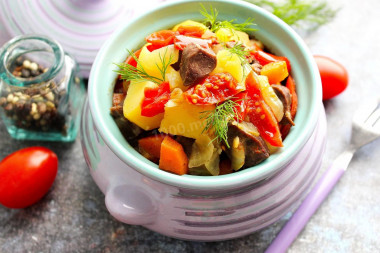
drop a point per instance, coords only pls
(183, 118)
(132, 106)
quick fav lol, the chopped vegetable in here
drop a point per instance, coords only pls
(213, 90)
(182, 118)
(271, 98)
(160, 39)
(291, 85)
(151, 146)
(260, 114)
(132, 106)
(191, 30)
(155, 100)
(230, 63)
(172, 157)
(275, 71)
(264, 58)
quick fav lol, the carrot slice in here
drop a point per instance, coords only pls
(172, 157)
(151, 145)
(291, 85)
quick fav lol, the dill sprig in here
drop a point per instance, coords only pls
(239, 50)
(138, 74)
(217, 120)
(210, 20)
(299, 12)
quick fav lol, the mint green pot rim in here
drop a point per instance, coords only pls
(275, 34)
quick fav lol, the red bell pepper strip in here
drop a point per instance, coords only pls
(181, 41)
(264, 58)
(191, 30)
(160, 39)
(131, 61)
(155, 100)
(260, 114)
(213, 89)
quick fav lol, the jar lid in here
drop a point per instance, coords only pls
(80, 26)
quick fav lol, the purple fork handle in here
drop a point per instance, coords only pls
(311, 203)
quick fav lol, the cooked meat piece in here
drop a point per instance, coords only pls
(129, 130)
(247, 148)
(283, 94)
(186, 143)
(196, 63)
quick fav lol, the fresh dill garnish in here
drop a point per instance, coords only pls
(239, 50)
(131, 73)
(217, 120)
(210, 20)
(299, 12)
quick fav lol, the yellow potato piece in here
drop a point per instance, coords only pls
(225, 35)
(174, 79)
(230, 63)
(190, 23)
(271, 98)
(153, 61)
(132, 106)
(183, 118)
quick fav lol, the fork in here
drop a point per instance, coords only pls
(365, 129)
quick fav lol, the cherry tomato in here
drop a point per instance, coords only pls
(260, 114)
(155, 100)
(334, 76)
(160, 39)
(26, 176)
(181, 41)
(192, 31)
(213, 89)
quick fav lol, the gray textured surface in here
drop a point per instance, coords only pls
(72, 217)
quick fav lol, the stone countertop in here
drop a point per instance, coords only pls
(72, 217)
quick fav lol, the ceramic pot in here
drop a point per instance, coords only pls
(195, 207)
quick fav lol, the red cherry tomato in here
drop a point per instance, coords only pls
(334, 76)
(26, 176)
(213, 89)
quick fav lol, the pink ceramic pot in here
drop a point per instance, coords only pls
(194, 207)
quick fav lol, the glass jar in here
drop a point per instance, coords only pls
(41, 96)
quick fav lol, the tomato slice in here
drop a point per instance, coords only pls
(160, 39)
(181, 41)
(260, 114)
(213, 89)
(155, 100)
(264, 58)
(191, 30)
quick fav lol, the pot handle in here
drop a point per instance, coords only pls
(131, 204)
